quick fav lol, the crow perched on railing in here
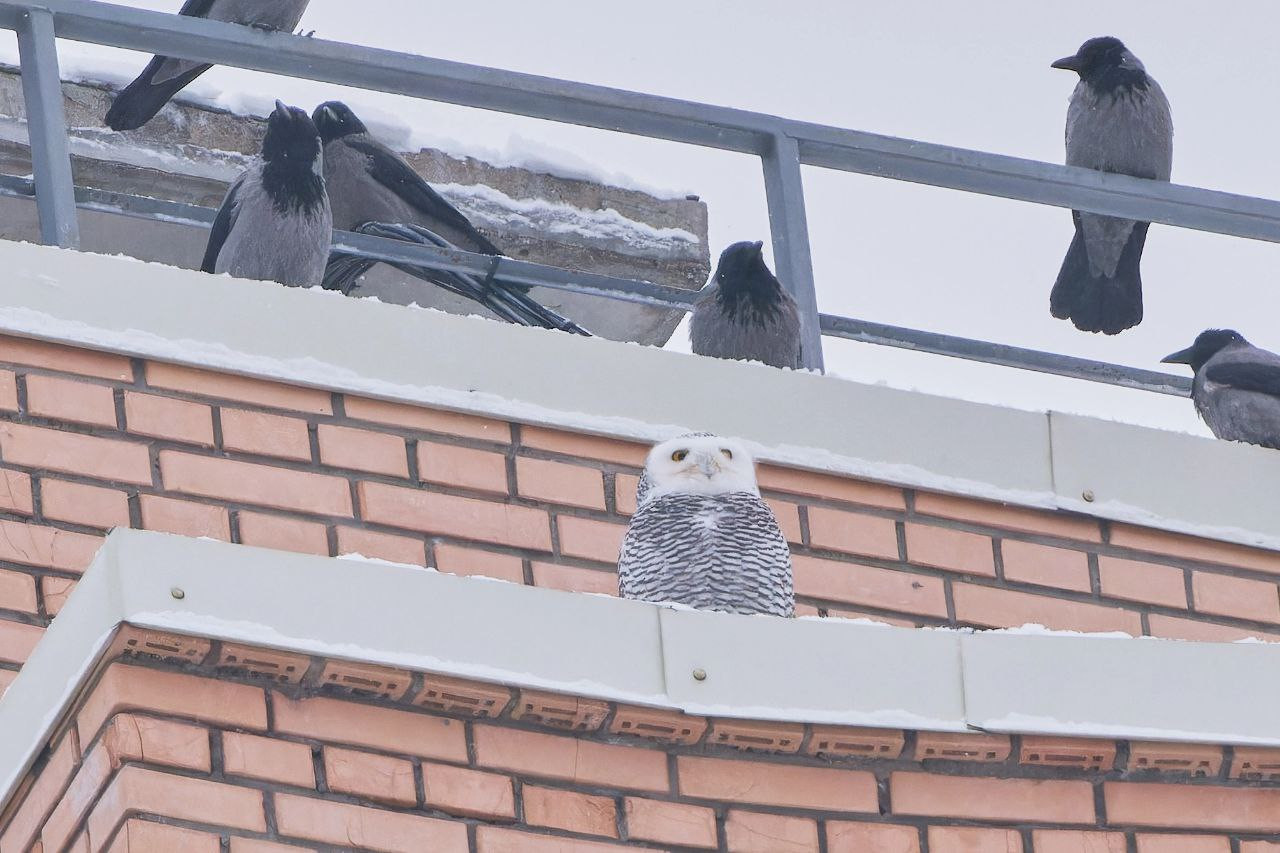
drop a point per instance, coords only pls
(1237, 386)
(165, 76)
(1118, 121)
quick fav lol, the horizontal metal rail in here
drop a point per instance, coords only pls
(656, 117)
(1006, 356)
(783, 145)
(642, 292)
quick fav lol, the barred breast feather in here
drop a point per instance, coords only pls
(712, 552)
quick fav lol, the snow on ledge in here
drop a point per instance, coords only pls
(756, 667)
(1177, 482)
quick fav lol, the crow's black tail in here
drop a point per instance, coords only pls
(508, 302)
(141, 99)
(1097, 303)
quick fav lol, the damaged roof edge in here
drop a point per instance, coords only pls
(323, 340)
(815, 671)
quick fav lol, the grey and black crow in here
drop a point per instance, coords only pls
(1237, 386)
(1118, 121)
(375, 191)
(165, 76)
(275, 223)
(746, 314)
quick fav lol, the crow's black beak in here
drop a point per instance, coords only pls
(760, 248)
(1182, 356)
(281, 108)
(1068, 63)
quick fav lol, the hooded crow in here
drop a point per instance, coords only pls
(375, 191)
(1237, 386)
(1118, 121)
(275, 222)
(746, 314)
(165, 76)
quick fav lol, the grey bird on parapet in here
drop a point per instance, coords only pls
(375, 191)
(165, 76)
(275, 223)
(746, 314)
(1237, 386)
(702, 536)
(1118, 121)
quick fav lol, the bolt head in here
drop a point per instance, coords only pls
(1087, 495)
(699, 674)
(178, 593)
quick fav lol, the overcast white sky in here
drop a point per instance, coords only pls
(974, 75)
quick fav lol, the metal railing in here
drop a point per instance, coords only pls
(783, 146)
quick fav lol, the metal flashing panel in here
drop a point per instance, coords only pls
(755, 668)
(812, 670)
(1210, 488)
(1122, 688)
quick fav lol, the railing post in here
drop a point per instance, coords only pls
(789, 226)
(47, 130)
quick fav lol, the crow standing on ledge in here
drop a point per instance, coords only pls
(375, 191)
(165, 76)
(1237, 386)
(746, 315)
(1118, 121)
(275, 223)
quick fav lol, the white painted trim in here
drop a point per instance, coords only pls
(905, 438)
(828, 671)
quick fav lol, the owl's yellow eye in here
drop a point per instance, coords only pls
(679, 455)
(728, 454)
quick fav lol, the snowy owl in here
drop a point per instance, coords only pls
(702, 536)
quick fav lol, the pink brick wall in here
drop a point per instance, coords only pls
(184, 751)
(89, 441)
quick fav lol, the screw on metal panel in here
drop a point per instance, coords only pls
(699, 675)
(1088, 495)
(178, 593)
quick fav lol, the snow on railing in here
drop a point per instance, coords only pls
(783, 146)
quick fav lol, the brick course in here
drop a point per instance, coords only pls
(182, 754)
(303, 469)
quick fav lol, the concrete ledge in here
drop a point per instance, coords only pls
(832, 671)
(1161, 479)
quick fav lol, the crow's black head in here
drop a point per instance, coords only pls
(293, 174)
(1105, 63)
(745, 283)
(335, 120)
(1208, 344)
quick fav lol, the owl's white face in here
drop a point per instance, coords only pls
(701, 465)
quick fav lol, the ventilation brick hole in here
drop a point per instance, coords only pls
(658, 724)
(1256, 764)
(263, 664)
(167, 648)
(458, 696)
(560, 712)
(366, 680)
(850, 742)
(760, 737)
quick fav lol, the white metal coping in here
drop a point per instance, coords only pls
(804, 670)
(1163, 479)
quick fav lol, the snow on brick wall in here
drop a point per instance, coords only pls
(210, 747)
(91, 441)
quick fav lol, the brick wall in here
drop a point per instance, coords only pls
(89, 441)
(184, 744)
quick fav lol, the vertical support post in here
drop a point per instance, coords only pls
(789, 226)
(47, 130)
